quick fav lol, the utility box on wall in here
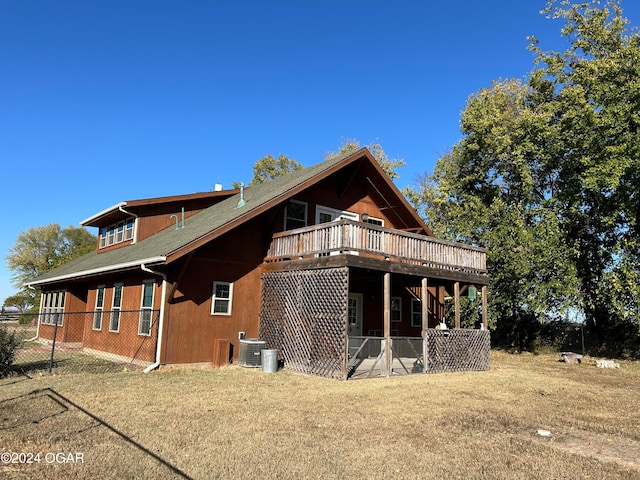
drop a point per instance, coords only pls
(221, 352)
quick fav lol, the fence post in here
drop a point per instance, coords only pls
(53, 344)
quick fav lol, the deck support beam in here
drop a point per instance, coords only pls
(387, 323)
(484, 307)
(456, 303)
(424, 299)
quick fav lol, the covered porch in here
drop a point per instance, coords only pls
(349, 300)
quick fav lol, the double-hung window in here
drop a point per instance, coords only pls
(146, 308)
(116, 306)
(221, 298)
(97, 314)
(53, 308)
(295, 215)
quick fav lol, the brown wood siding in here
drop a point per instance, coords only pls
(126, 341)
(357, 199)
(190, 328)
(71, 330)
(156, 217)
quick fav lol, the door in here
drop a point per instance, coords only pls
(326, 214)
(354, 315)
(333, 239)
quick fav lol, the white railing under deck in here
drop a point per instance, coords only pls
(348, 236)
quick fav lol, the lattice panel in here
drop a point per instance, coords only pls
(457, 350)
(304, 315)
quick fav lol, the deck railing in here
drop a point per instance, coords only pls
(348, 236)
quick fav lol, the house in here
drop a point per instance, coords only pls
(315, 264)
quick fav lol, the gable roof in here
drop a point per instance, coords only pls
(171, 244)
(108, 214)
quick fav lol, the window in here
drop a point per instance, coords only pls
(146, 308)
(295, 215)
(97, 315)
(374, 221)
(396, 309)
(128, 230)
(116, 306)
(375, 238)
(52, 308)
(117, 233)
(416, 312)
(221, 299)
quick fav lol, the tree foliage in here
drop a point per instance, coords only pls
(388, 165)
(8, 346)
(269, 167)
(547, 176)
(44, 248)
(21, 301)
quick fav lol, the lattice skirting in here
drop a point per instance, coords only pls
(456, 350)
(304, 315)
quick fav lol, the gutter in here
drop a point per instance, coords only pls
(156, 364)
(93, 271)
(135, 223)
(38, 327)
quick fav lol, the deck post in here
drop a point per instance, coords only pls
(424, 297)
(456, 303)
(485, 323)
(387, 324)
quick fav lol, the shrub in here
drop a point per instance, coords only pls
(8, 346)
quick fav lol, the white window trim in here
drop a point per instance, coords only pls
(230, 299)
(144, 309)
(50, 314)
(379, 222)
(334, 212)
(109, 235)
(116, 309)
(306, 214)
(99, 310)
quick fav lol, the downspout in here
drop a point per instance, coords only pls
(39, 313)
(135, 225)
(156, 364)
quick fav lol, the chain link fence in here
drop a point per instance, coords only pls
(89, 342)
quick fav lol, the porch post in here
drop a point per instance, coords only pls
(387, 323)
(424, 297)
(456, 303)
(484, 307)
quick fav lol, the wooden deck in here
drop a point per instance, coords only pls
(348, 236)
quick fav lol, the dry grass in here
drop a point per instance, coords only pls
(241, 423)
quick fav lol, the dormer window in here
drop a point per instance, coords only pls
(117, 233)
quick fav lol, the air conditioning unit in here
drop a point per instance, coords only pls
(249, 354)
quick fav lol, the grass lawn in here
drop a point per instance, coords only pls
(241, 423)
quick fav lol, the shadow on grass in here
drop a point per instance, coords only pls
(48, 404)
(68, 363)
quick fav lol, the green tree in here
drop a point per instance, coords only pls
(388, 165)
(269, 167)
(21, 301)
(592, 93)
(484, 192)
(546, 176)
(44, 248)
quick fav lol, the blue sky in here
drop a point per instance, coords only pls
(105, 101)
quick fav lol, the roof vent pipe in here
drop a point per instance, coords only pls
(181, 224)
(241, 202)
